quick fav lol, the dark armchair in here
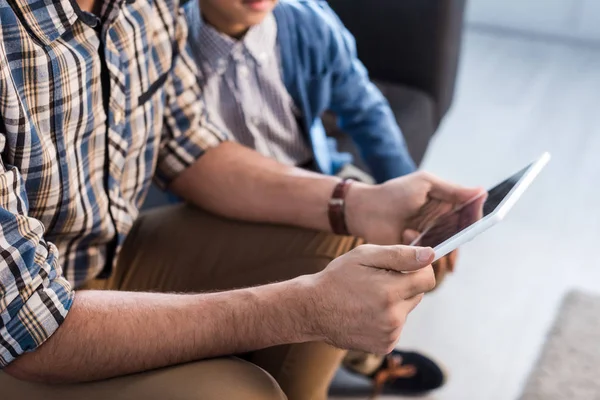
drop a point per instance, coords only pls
(411, 50)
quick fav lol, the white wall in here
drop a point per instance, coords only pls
(566, 18)
(590, 21)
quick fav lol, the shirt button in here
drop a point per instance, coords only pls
(221, 66)
(244, 72)
(262, 57)
(237, 54)
(118, 116)
(255, 121)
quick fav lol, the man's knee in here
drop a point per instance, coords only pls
(218, 379)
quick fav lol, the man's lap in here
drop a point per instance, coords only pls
(183, 249)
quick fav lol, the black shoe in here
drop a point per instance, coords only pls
(407, 373)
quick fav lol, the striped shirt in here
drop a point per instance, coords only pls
(90, 108)
(244, 90)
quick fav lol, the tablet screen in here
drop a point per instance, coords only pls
(449, 224)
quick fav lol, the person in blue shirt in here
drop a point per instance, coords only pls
(268, 70)
(317, 67)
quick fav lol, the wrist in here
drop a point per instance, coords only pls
(308, 306)
(359, 199)
(292, 307)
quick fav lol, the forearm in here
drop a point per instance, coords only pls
(109, 334)
(237, 182)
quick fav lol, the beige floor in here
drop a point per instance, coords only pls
(515, 100)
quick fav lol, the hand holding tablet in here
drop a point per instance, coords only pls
(448, 230)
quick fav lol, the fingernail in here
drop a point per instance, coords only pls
(424, 254)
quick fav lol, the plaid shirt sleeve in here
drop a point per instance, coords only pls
(188, 133)
(34, 297)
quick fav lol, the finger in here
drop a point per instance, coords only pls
(452, 257)
(450, 192)
(440, 266)
(413, 284)
(412, 303)
(405, 307)
(397, 258)
(409, 236)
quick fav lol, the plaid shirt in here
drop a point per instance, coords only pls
(90, 108)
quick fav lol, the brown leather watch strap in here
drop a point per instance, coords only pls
(337, 205)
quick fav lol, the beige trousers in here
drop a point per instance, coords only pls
(183, 249)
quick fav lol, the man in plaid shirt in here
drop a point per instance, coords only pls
(98, 97)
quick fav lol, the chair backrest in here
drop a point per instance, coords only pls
(409, 42)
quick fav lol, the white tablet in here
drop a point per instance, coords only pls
(460, 225)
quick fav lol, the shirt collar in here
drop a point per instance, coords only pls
(262, 38)
(259, 41)
(48, 20)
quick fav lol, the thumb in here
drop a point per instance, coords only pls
(397, 258)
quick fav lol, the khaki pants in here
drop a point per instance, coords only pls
(182, 249)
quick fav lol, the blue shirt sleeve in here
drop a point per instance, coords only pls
(361, 109)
